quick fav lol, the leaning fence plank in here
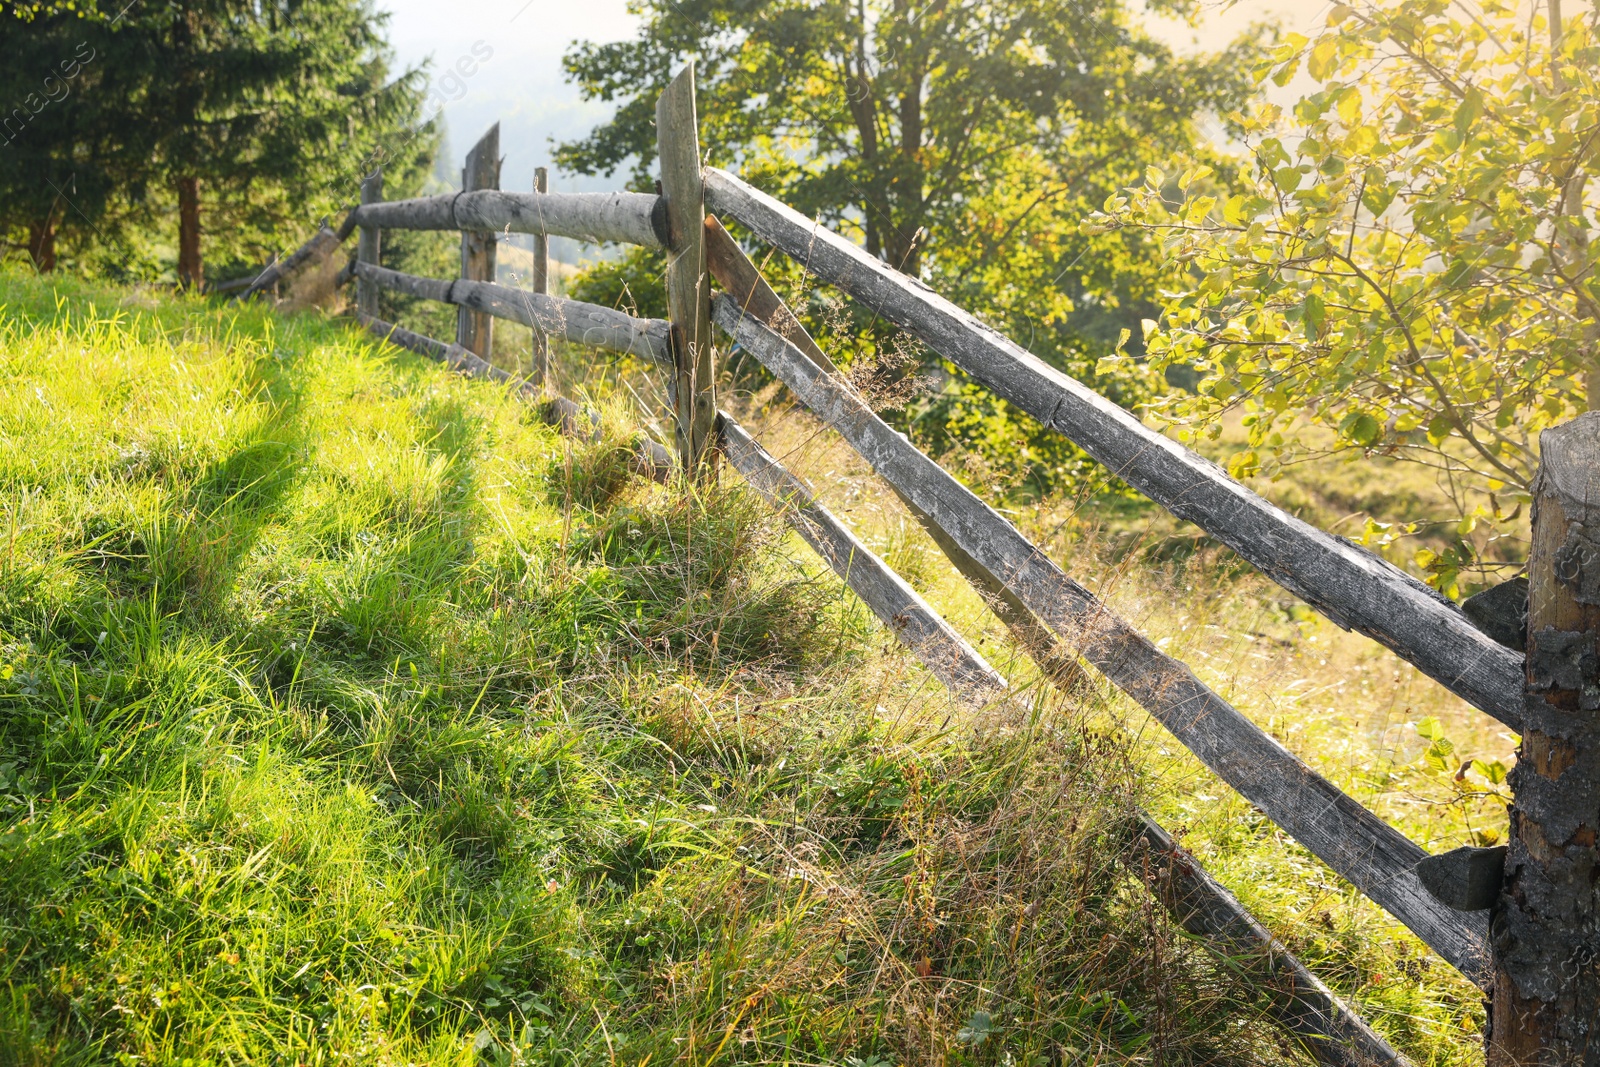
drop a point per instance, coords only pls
(475, 329)
(322, 243)
(743, 281)
(1350, 586)
(650, 457)
(573, 320)
(598, 218)
(898, 606)
(1330, 1031)
(1377, 859)
(1306, 1008)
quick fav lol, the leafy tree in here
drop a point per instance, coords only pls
(67, 151)
(960, 140)
(262, 114)
(1414, 269)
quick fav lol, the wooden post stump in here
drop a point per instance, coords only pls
(1546, 926)
(541, 284)
(369, 246)
(475, 329)
(688, 285)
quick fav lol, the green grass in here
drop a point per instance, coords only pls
(350, 715)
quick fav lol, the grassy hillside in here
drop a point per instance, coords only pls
(349, 715)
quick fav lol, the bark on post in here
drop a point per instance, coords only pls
(369, 245)
(688, 288)
(1546, 927)
(475, 329)
(541, 284)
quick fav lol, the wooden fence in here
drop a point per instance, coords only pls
(1445, 900)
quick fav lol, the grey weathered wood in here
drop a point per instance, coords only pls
(541, 284)
(694, 395)
(1546, 995)
(322, 243)
(369, 245)
(1501, 612)
(1348, 585)
(1300, 1002)
(743, 282)
(650, 457)
(898, 606)
(598, 218)
(1377, 859)
(475, 329)
(1465, 878)
(572, 320)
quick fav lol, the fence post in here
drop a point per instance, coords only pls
(369, 246)
(541, 284)
(688, 285)
(475, 329)
(1546, 994)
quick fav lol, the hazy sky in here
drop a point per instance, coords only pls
(501, 60)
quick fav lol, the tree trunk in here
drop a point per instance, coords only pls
(42, 244)
(1546, 1008)
(191, 271)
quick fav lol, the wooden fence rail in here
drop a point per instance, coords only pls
(573, 320)
(630, 218)
(1054, 618)
(1348, 585)
(1373, 856)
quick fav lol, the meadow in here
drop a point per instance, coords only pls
(349, 714)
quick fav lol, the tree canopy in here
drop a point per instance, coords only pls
(1412, 272)
(262, 114)
(960, 140)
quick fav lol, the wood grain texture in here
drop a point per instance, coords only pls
(1546, 994)
(694, 395)
(1354, 588)
(322, 243)
(540, 283)
(369, 245)
(573, 320)
(1377, 859)
(650, 458)
(598, 218)
(899, 607)
(742, 280)
(475, 329)
(1327, 1028)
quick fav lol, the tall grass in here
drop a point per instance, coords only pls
(348, 714)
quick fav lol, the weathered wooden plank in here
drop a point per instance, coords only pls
(475, 329)
(1299, 1001)
(694, 393)
(599, 218)
(369, 245)
(898, 606)
(650, 457)
(1377, 859)
(1352, 587)
(322, 243)
(573, 320)
(743, 281)
(1546, 989)
(540, 283)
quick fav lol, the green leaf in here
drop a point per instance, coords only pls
(1439, 428)
(1315, 313)
(1429, 729)
(1323, 59)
